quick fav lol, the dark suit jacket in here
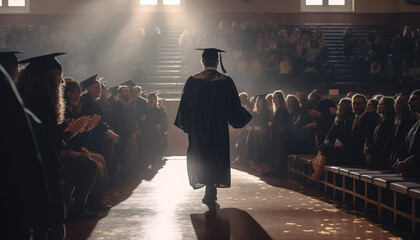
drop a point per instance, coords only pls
(354, 140)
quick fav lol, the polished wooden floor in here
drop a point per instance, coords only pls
(161, 205)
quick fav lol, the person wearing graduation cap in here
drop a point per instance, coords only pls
(9, 61)
(209, 103)
(40, 85)
(103, 138)
(25, 195)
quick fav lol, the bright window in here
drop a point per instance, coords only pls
(171, 2)
(314, 2)
(336, 2)
(148, 2)
(16, 3)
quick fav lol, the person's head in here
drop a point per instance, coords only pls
(210, 58)
(243, 96)
(344, 109)
(401, 104)
(378, 97)
(358, 102)
(260, 104)
(386, 107)
(124, 93)
(9, 62)
(72, 92)
(414, 102)
(152, 100)
(292, 103)
(372, 105)
(136, 90)
(94, 90)
(350, 94)
(40, 85)
(314, 96)
(302, 96)
(269, 99)
(278, 99)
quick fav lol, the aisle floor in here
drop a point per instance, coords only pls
(161, 205)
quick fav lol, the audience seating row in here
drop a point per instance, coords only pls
(378, 193)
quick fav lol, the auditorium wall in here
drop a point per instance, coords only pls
(213, 6)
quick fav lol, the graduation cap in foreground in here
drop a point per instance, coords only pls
(44, 62)
(89, 81)
(128, 83)
(212, 54)
(8, 58)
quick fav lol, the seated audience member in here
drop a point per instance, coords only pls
(154, 124)
(372, 108)
(25, 194)
(409, 163)
(124, 124)
(404, 120)
(9, 62)
(375, 146)
(40, 85)
(326, 152)
(280, 127)
(103, 138)
(356, 130)
(81, 143)
(301, 137)
(344, 112)
(258, 136)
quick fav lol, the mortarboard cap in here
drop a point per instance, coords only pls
(89, 81)
(114, 90)
(128, 83)
(212, 54)
(151, 93)
(44, 62)
(8, 58)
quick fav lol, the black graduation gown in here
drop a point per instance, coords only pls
(24, 194)
(208, 104)
(89, 108)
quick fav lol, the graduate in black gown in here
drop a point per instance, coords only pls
(25, 194)
(208, 104)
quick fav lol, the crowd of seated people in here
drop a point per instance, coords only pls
(378, 136)
(132, 50)
(87, 138)
(263, 51)
(396, 61)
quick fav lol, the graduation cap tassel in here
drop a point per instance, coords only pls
(221, 63)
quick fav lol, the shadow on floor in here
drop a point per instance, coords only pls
(82, 229)
(227, 223)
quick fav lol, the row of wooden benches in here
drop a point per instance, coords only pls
(376, 192)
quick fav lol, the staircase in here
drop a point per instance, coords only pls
(168, 75)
